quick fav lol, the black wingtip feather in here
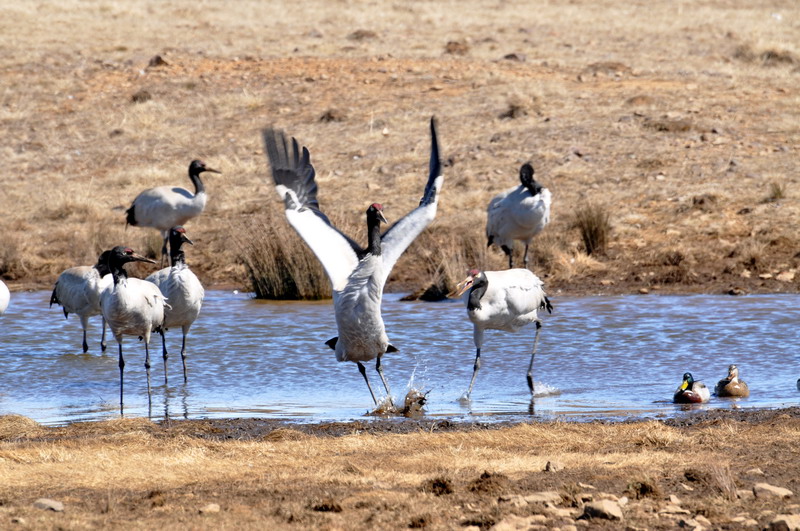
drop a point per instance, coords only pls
(435, 166)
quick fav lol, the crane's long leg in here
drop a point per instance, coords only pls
(147, 369)
(85, 344)
(525, 257)
(510, 253)
(383, 378)
(164, 354)
(533, 354)
(103, 337)
(121, 378)
(363, 372)
(183, 357)
(475, 369)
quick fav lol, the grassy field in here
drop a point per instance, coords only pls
(133, 474)
(679, 118)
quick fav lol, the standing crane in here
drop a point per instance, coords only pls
(502, 300)
(165, 207)
(519, 213)
(132, 307)
(78, 291)
(182, 289)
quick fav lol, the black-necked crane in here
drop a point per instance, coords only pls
(182, 289)
(78, 291)
(131, 307)
(165, 207)
(5, 297)
(357, 274)
(502, 300)
(519, 213)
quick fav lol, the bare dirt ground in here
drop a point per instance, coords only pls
(395, 474)
(681, 119)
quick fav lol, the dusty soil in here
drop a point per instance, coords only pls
(392, 474)
(680, 119)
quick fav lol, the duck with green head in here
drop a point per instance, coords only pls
(732, 386)
(691, 391)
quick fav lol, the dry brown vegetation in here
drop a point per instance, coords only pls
(679, 117)
(134, 473)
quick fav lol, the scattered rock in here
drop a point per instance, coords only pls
(586, 486)
(362, 35)
(745, 494)
(333, 115)
(553, 466)
(456, 48)
(156, 61)
(513, 522)
(515, 57)
(514, 500)
(607, 509)
(671, 508)
(211, 508)
(547, 496)
(327, 506)
(785, 276)
(703, 521)
(49, 505)
(674, 499)
(19, 520)
(438, 486)
(765, 490)
(489, 483)
(785, 522)
(141, 96)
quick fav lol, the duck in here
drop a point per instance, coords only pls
(732, 386)
(691, 391)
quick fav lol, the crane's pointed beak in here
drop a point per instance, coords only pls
(185, 239)
(461, 287)
(212, 170)
(381, 217)
(139, 258)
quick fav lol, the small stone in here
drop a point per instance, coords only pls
(765, 276)
(586, 486)
(644, 291)
(49, 505)
(671, 508)
(18, 520)
(785, 276)
(785, 522)
(703, 521)
(745, 494)
(765, 490)
(623, 501)
(754, 472)
(686, 487)
(553, 466)
(514, 500)
(210, 509)
(560, 512)
(607, 509)
(514, 523)
(674, 499)
(547, 496)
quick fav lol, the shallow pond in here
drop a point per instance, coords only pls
(598, 357)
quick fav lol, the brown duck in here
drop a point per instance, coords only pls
(732, 386)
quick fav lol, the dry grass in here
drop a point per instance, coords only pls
(593, 222)
(108, 473)
(562, 85)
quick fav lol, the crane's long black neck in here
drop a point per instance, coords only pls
(177, 257)
(373, 234)
(117, 272)
(194, 175)
(476, 292)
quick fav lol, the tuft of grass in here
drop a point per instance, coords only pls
(777, 191)
(592, 220)
(279, 264)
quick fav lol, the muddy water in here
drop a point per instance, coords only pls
(598, 357)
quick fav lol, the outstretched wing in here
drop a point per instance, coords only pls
(294, 180)
(400, 235)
